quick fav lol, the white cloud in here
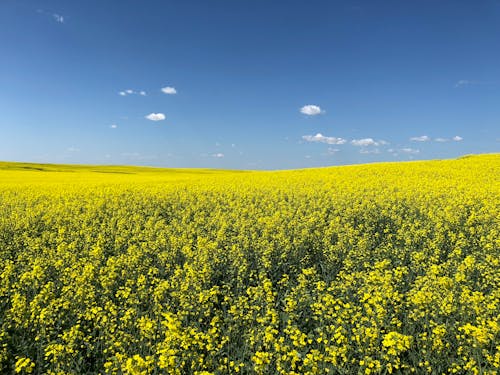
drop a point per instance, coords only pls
(218, 155)
(169, 90)
(323, 139)
(132, 92)
(367, 151)
(155, 116)
(72, 149)
(311, 110)
(58, 17)
(113, 126)
(366, 142)
(422, 138)
(332, 151)
(468, 82)
(425, 138)
(408, 150)
(462, 82)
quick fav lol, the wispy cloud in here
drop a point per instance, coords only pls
(169, 90)
(73, 149)
(369, 151)
(132, 92)
(311, 110)
(113, 126)
(58, 17)
(456, 138)
(155, 116)
(408, 150)
(405, 150)
(55, 16)
(218, 155)
(422, 138)
(323, 139)
(425, 138)
(364, 142)
(468, 82)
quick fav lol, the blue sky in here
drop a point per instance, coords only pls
(248, 84)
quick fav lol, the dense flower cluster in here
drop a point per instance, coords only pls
(384, 268)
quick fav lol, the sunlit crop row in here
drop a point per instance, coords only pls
(384, 268)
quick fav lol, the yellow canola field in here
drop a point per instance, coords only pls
(382, 268)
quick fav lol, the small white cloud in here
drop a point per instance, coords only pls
(72, 149)
(169, 90)
(468, 82)
(132, 92)
(311, 110)
(441, 140)
(113, 126)
(409, 150)
(58, 18)
(218, 155)
(366, 142)
(369, 151)
(462, 82)
(332, 151)
(422, 138)
(323, 139)
(457, 138)
(155, 116)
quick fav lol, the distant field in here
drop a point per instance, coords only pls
(380, 268)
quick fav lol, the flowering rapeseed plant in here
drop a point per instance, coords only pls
(383, 268)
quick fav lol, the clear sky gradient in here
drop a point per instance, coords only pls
(248, 84)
